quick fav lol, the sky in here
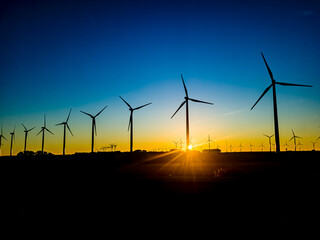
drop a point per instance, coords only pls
(58, 55)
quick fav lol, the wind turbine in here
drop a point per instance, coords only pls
(130, 126)
(294, 139)
(186, 101)
(240, 146)
(65, 125)
(176, 144)
(12, 138)
(230, 148)
(299, 144)
(261, 147)
(251, 147)
(1, 136)
(314, 145)
(275, 111)
(94, 128)
(181, 143)
(269, 139)
(209, 140)
(26, 136)
(42, 130)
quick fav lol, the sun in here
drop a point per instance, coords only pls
(190, 147)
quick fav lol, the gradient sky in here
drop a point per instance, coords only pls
(57, 55)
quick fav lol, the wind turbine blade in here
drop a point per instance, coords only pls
(59, 124)
(184, 85)
(86, 113)
(101, 111)
(24, 127)
(179, 108)
(44, 121)
(265, 91)
(272, 135)
(270, 73)
(293, 132)
(4, 137)
(126, 102)
(130, 120)
(291, 139)
(292, 84)
(40, 131)
(195, 100)
(265, 135)
(49, 131)
(14, 129)
(69, 114)
(141, 106)
(298, 137)
(69, 129)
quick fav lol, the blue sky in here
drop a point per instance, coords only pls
(84, 54)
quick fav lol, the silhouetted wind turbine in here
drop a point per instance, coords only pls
(230, 148)
(251, 146)
(65, 125)
(130, 126)
(269, 140)
(12, 138)
(1, 136)
(294, 140)
(314, 145)
(43, 130)
(176, 144)
(299, 144)
(275, 111)
(94, 128)
(209, 140)
(26, 136)
(286, 146)
(240, 146)
(261, 146)
(186, 101)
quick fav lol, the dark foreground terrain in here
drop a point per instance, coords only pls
(229, 188)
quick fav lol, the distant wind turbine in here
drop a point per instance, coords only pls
(261, 147)
(130, 126)
(26, 136)
(299, 144)
(286, 146)
(251, 147)
(186, 101)
(313, 145)
(269, 140)
(230, 148)
(65, 125)
(43, 130)
(176, 144)
(294, 140)
(275, 111)
(94, 128)
(209, 140)
(12, 139)
(1, 136)
(240, 146)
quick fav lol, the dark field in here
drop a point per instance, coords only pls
(267, 188)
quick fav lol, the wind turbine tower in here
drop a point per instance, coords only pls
(209, 141)
(12, 138)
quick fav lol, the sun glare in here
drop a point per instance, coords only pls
(190, 147)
